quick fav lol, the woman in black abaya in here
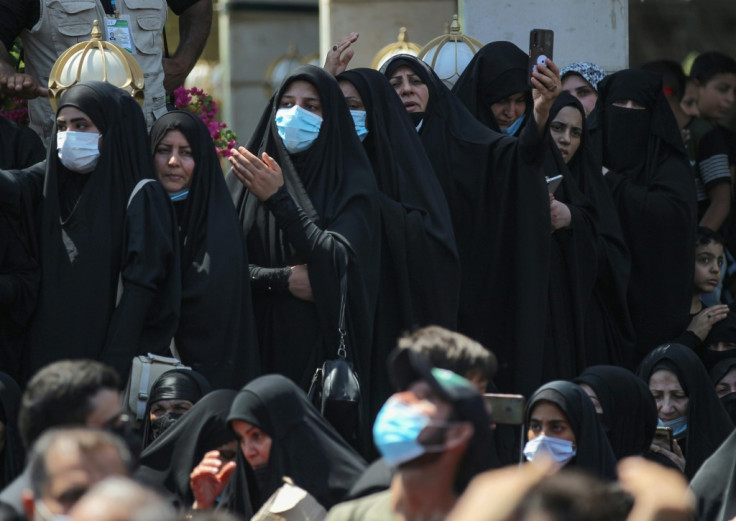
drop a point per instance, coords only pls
(651, 183)
(216, 333)
(420, 270)
(12, 452)
(706, 423)
(93, 242)
(495, 192)
(309, 210)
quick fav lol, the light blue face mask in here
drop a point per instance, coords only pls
(561, 450)
(679, 425)
(511, 130)
(298, 128)
(359, 120)
(396, 430)
(180, 195)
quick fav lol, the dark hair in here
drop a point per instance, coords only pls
(85, 440)
(707, 236)
(452, 351)
(673, 76)
(708, 64)
(60, 394)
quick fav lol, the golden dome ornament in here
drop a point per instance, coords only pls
(401, 46)
(449, 54)
(96, 60)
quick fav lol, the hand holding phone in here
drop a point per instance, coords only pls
(663, 437)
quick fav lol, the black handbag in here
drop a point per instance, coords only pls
(335, 388)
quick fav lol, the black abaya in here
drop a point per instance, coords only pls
(652, 187)
(13, 453)
(326, 215)
(304, 447)
(708, 424)
(420, 270)
(500, 214)
(216, 333)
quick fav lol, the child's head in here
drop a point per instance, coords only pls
(689, 103)
(716, 74)
(708, 261)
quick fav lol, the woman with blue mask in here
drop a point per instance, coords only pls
(420, 269)
(687, 403)
(562, 421)
(308, 203)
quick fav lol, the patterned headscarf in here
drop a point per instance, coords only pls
(590, 72)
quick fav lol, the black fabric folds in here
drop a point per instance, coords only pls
(594, 453)
(177, 384)
(420, 269)
(216, 334)
(500, 213)
(13, 452)
(629, 410)
(326, 216)
(89, 238)
(168, 461)
(304, 447)
(652, 188)
(498, 70)
(708, 424)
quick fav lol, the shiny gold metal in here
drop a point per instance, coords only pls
(401, 46)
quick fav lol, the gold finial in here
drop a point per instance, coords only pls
(96, 33)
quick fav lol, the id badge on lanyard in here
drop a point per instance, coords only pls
(117, 30)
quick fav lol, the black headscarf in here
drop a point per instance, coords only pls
(13, 452)
(331, 199)
(216, 333)
(168, 461)
(652, 188)
(608, 331)
(88, 235)
(500, 213)
(594, 453)
(304, 447)
(629, 410)
(708, 425)
(498, 70)
(177, 384)
(420, 269)
(20, 274)
(722, 331)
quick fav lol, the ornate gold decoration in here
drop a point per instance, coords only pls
(449, 54)
(401, 46)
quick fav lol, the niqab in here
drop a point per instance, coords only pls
(216, 331)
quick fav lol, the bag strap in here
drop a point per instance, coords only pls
(342, 351)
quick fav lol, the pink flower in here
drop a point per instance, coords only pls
(200, 103)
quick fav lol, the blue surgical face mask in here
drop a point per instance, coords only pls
(561, 450)
(511, 130)
(298, 128)
(679, 425)
(359, 120)
(396, 430)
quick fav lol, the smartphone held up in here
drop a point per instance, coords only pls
(541, 46)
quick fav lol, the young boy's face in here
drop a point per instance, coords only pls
(716, 97)
(708, 263)
(689, 103)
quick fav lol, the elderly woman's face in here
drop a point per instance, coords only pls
(411, 89)
(672, 401)
(255, 444)
(304, 94)
(174, 162)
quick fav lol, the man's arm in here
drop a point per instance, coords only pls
(194, 29)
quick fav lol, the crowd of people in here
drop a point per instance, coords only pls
(416, 229)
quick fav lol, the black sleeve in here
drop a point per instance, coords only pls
(16, 15)
(179, 6)
(269, 280)
(689, 339)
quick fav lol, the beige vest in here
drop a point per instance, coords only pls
(63, 23)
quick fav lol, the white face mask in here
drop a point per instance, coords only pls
(78, 151)
(561, 450)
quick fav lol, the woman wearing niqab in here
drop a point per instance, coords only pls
(216, 333)
(494, 192)
(92, 243)
(304, 447)
(325, 215)
(420, 270)
(651, 183)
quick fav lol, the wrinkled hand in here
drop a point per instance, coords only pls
(299, 285)
(702, 323)
(21, 85)
(174, 74)
(659, 493)
(559, 214)
(262, 177)
(675, 455)
(547, 86)
(208, 479)
(496, 494)
(339, 56)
